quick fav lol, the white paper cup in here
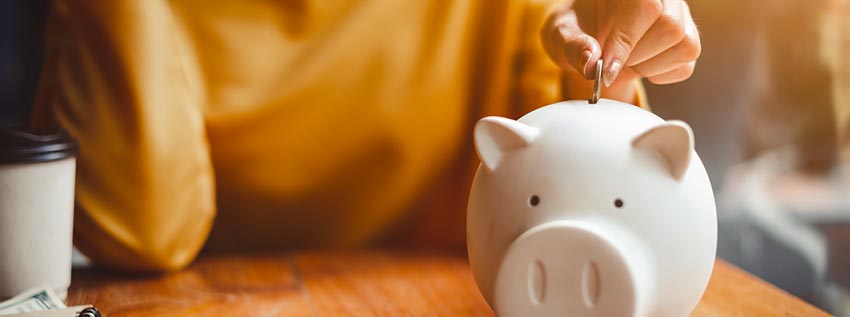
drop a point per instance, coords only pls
(36, 211)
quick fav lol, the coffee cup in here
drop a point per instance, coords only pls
(37, 170)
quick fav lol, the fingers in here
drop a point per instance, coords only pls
(633, 20)
(668, 30)
(684, 52)
(656, 39)
(568, 45)
(675, 75)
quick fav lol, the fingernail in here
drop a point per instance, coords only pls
(585, 58)
(611, 73)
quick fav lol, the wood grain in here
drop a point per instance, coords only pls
(733, 292)
(361, 283)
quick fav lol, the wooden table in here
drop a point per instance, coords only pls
(361, 283)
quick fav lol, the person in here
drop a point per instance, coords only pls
(280, 124)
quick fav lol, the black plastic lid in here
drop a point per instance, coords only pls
(22, 145)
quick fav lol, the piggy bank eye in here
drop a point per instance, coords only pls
(618, 203)
(534, 201)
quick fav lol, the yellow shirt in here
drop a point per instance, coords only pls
(266, 124)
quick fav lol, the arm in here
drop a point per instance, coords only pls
(119, 78)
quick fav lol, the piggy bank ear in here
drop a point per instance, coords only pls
(673, 141)
(497, 136)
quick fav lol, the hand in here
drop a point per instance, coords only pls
(655, 39)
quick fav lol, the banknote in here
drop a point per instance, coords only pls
(36, 299)
(76, 311)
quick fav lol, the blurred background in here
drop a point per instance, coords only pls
(21, 29)
(768, 104)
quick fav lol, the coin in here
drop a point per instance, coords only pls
(597, 84)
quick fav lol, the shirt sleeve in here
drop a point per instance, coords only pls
(119, 78)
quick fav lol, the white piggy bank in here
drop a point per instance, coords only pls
(590, 210)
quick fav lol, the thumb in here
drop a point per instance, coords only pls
(631, 21)
(569, 46)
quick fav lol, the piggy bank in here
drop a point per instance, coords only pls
(582, 209)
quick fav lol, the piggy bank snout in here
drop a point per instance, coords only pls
(572, 267)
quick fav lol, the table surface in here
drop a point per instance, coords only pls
(359, 283)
